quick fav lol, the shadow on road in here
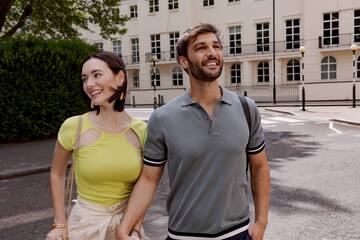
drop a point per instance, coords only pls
(284, 147)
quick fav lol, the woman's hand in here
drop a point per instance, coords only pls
(56, 234)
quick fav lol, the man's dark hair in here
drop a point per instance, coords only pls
(191, 33)
(116, 64)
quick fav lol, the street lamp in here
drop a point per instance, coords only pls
(354, 48)
(154, 59)
(302, 51)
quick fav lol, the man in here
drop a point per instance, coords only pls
(204, 137)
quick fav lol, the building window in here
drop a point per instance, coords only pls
(293, 34)
(328, 68)
(155, 45)
(207, 3)
(135, 54)
(262, 37)
(99, 45)
(136, 80)
(173, 36)
(232, 1)
(293, 70)
(235, 40)
(117, 47)
(331, 28)
(263, 72)
(157, 77)
(173, 4)
(235, 73)
(357, 25)
(153, 6)
(133, 11)
(358, 67)
(177, 76)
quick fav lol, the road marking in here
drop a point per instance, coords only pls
(296, 124)
(25, 218)
(322, 122)
(331, 126)
(263, 121)
(283, 119)
(269, 126)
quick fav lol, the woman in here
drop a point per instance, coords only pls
(108, 157)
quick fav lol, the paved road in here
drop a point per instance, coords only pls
(315, 195)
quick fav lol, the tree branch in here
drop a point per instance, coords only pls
(5, 6)
(26, 13)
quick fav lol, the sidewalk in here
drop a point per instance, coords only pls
(20, 159)
(340, 114)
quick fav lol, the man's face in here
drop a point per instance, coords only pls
(205, 60)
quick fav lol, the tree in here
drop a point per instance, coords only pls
(60, 18)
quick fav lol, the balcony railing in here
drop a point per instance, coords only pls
(163, 56)
(130, 60)
(338, 41)
(256, 49)
(245, 49)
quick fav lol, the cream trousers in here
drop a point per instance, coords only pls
(89, 221)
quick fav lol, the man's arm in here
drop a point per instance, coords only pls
(140, 199)
(260, 186)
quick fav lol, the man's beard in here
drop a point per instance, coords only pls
(199, 73)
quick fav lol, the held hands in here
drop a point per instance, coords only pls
(257, 231)
(56, 234)
(134, 235)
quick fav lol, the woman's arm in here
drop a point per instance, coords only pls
(57, 182)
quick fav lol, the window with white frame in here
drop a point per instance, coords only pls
(99, 45)
(177, 76)
(358, 67)
(235, 40)
(328, 68)
(235, 73)
(155, 45)
(117, 47)
(173, 4)
(207, 3)
(357, 25)
(153, 6)
(293, 70)
(173, 37)
(263, 72)
(293, 34)
(133, 11)
(136, 80)
(262, 37)
(155, 77)
(331, 28)
(135, 53)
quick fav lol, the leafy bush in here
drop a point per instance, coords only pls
(39, 86)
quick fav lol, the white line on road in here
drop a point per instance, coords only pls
(331, 126)
(25, 218)
(296, 124)
(269, 126)
(283, 119)
(263, 121)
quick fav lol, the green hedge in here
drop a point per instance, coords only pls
(39, 86)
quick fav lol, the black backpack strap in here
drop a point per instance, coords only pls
(245, 106)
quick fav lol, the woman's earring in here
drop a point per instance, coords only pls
(122, 96)
(92, 105)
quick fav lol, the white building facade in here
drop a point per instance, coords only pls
(326, 28)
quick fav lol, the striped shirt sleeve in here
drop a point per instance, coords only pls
(155, 152)
(257, 139)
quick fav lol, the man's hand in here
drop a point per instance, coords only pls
(121, 235)
(257, 231)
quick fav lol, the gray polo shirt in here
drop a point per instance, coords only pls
(206, 163)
